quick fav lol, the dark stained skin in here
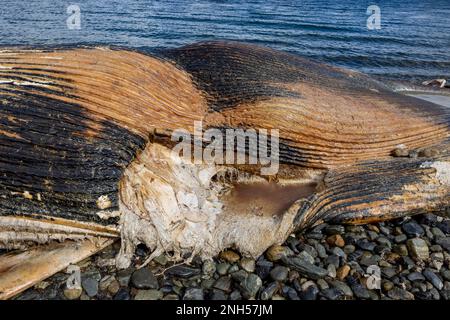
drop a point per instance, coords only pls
(66, 138)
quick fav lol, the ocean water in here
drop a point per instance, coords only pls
(413, 43)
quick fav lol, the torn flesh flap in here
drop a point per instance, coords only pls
(184, 209)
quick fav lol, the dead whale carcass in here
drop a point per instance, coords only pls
(86, 148)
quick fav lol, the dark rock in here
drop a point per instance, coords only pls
(183, 271)
(144, 279)
(218, 295)
(388, 272)
(309, 293)
(413, 229)
(444, 243)
(123, 276)
(122, 294)
(90, 286)
(235, 295)
(279, 273)
(364, 244)
(305, 268)
(263, 268)
(400, 238)
(334, 260)
(194, 294)
(332, 294)
(342, 287)
(250, 286)
(400, 294)
(415, 276)
(223, 283)
(433, 278)
(239, 276)
(269, 291)
(360, 291)
(444, 226)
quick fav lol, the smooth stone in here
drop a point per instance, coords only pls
(444, 243)
(113, 287)
(369, 260)
(322, 284)
(400, 238)
(263, 268)
(122, 294)
(144, 279)
(331, 271)
(336, 240)
(171, 297)
(415, 276)
(332, 294)
(268, 292)
(364, 244)
(208, 267)
(444, 226)
(276, 252)
(151, 294)
(387, 286)
(208, 283)
(247, 264)
(310, 250)
(321, 251)
(413, 229)
(343, 272)
(72, 293)
(361, 292)
(239, 276)
(445, 274)
(418, 249)
(433, 278)
(401, 250)
(193, 294)
(349, 249)
(304, 267)
(334, 260)
(90, 286)
(223, 283)
(183, 271)
(306, 256)
(222, 268)
(218, 295)
(400, 294)
(229, 256)
(310, 293)
(279, 273)
(235, 295)
(437, 232)
(250, 286)
(233, 268)
(388, 272)
(105, 282)
(342, 287)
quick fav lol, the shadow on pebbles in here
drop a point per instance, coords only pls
(402, 260)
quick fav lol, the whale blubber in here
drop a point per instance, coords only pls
(85, 149)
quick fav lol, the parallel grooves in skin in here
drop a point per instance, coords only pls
(70, 126)
(328, 116)
(379, 190)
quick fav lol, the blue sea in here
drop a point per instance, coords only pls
(413, 43)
